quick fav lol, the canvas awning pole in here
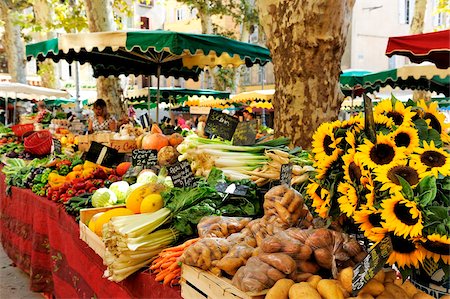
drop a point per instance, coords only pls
(158, 75)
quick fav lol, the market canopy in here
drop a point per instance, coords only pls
(416, 77)
(140, 52)
(434, 47)
(255, 95)
(180, 95)
(58, 102)
(24, 91)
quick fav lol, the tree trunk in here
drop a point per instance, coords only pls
(14, 46)
(47, 69)
(417, 26)
(306, 39)
(245, 33)
(205, 20)
(101, 18)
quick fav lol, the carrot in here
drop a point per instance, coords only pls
(161, 275)
(173, 266)
(172, 254)
(169, 277)
(175, 281)
(167, 264)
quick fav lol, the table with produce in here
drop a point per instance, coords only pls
(362, 214)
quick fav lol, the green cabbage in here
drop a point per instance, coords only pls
(120, 189)
(103, 197)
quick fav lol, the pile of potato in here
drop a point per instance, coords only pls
(385, 285)
(220, 227)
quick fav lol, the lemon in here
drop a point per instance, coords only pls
(152, 203)
(63, 140)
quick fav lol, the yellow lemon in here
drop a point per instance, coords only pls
(152, 203)
(63, 140)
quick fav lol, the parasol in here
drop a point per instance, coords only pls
(149, 53)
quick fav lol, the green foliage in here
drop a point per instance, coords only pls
(224, 78)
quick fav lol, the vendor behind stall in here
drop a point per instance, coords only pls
(102, 120)
(43, 115)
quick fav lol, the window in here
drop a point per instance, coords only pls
(180, 14)
(145, 23)
(438, 18)
(405, 11)
(247, 76)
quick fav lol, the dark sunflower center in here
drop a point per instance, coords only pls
(408, 173)
(434, 122)
(437, 247)
(382, 154)
(396, 117)
(401, 245)
(318, 191)
(375, 219)
(354, 172)
(433, 159)
(402, 139)
(327, 141)
(402, 212)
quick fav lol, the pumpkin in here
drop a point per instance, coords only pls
(155, 141)
(122, 168)
(139, 141)
(175, 139)
(155, 129)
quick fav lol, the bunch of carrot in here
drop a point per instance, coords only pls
(167, 267)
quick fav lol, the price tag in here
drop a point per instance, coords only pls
(245, 133)
(102, 154)
(286, 174)
(145, 158)
(372, 263)
(181, 174)
(221, 124)
(232, 189)
(57, 146)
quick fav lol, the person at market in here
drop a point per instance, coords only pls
(201, 126)
(43, 112)
(102, 120)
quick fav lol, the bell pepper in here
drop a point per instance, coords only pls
(87, 172)
(89, 164)
(74, 175)
(78, 167)
(55, 180)
(64, 170)
(64, 162)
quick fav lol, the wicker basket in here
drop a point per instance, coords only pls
(39, 143)
(19, 130)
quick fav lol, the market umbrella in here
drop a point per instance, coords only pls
(423, 77)
(149, 53)
(255, 95)
(350, 81)
(434, 47)
(24, 91)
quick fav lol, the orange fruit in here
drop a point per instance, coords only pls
(122, 168)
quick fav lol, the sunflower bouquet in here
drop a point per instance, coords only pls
(397, 184)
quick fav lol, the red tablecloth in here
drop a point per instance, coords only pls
(43, 240)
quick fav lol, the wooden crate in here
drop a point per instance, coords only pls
(123, 146)
(88, 236)
(198, 284)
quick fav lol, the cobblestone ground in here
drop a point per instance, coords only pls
(14, 283)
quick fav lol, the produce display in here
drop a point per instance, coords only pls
(360, 183)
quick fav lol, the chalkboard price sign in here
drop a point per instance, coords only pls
(245, 133)
(181, 174)
(145, 158)
(57, 146)
(286, 174)
(102, 154)
(221, 124)
(372, 263)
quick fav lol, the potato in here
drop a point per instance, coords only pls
(422, 295)
(271, 244)
(303, 290)
(320, 238)
(445, 297)
(280, 261)
(380, 276)
(390, 276)
(314, 280)
(409, 288)
(299, 277)
(304, 253)
(329, 289)
(275, 274)
(364, 296)
(346, 278)
(324, 257)
(396, 291)
(280, 290)
(308, 267)
(386, 295)
(373, 287)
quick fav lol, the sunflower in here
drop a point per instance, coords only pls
(437, 246)
(383, 122)
(396, 111)
(405, 252)
(353, 168)
(324, 165)
(368, 191)
(406, 137)
(435, 119)
(383, 152)
(320, 198)
(349, 198)
(324, 143)
(387, 175)
(434, 159)
(351, 140)
(369, 220)
(402, 216)
(354, 124)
